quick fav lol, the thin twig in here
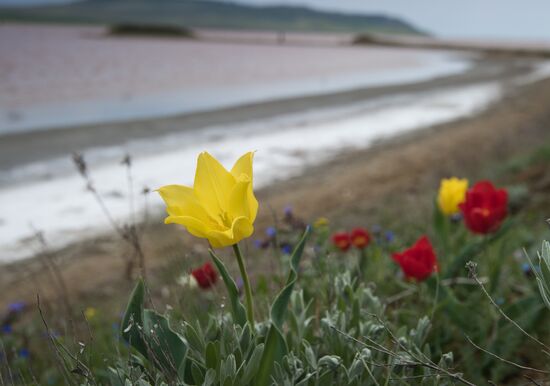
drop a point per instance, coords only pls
(130, 233)
(505, 360)
(531, 380)
(52, 267)
(428, 362)
(445, 282)
(472, 270)
(60, 360)
(376, 347)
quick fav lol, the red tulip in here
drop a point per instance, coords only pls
(360, 238)
(341, 240)
(205, 275)
(419, 261)
(484, 208)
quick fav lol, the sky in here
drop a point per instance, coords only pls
(490, 19)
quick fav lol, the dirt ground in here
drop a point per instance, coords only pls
(394, 179)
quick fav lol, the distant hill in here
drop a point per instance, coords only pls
(207, 14)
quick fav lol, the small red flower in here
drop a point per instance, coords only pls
(360, 238)
(341, 240)
(484, 208)
(419, 261)
(205, 275)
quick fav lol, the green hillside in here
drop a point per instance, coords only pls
(206, 14)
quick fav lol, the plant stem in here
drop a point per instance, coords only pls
(362, 262)
(247, 289)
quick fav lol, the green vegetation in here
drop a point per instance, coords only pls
(325, 313)
(149, 30)
(206, 14)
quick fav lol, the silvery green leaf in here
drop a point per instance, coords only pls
(310, 357)
(355, 370)
(332, 361)
(252, 365)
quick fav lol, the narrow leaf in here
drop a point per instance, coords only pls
(275, 344)
(237, 308)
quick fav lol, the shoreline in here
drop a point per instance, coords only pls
(27, 147)
(286, 145)
(360, 187)
(69, 214)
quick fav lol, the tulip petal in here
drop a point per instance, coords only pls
(242, 202)
(243, 166)
(181, 201)
(240, 228)
(193, 226)
(213, 184)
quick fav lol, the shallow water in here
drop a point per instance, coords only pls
(52, 77)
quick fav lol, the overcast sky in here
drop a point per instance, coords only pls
(521, 19)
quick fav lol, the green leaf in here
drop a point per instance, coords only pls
(211, 356)
(252, 365)
(280, 305)
(471, 249)
(542, 289)
(166, 348)
(194, 339)
(275, 344)
(237, 308)
(198, 376)
(274, 350)
(210, 377)
(150, 334)
(132, 321)
(441, 226)
(228, 369)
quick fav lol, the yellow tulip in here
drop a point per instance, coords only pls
(220, 206)
(452, 192)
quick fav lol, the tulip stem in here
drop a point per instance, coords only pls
(362, 263)
(247, 289)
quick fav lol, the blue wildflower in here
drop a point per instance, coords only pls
(17, 307)
(240, 283)
(286, 249)
(456, 217)
(271, 232)
(389, 236)
(7, 329)
(526, 268)
(288, 211)
(24, 353)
